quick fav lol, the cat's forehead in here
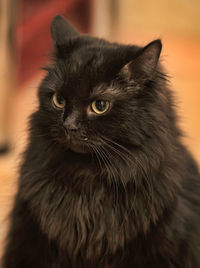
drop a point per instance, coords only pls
(92, 58)
(98, 56)
(90, 66)
(90, 70)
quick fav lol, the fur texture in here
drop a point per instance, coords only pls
(112, 190)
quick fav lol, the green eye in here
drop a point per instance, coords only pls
(100, 106)
(58, 101)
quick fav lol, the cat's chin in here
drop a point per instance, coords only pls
(78, 148)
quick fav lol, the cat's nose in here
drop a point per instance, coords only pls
(71, 123)
(72, 127)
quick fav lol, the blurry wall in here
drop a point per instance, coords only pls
(7, 69)
(173, 16)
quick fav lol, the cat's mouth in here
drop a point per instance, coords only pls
(77, 145)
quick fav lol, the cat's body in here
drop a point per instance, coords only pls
(114, 189)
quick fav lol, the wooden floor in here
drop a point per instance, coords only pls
(181, 57)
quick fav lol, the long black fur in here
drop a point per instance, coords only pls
(129, 197)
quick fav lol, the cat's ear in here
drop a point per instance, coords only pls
(143, 66)
(62, 31)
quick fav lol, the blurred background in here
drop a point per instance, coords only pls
(25, 43)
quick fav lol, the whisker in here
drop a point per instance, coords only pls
(117, 172)
(124, 152)
(113, 171)
(97, 155)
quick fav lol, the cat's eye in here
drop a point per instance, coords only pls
(100, 106)
(58, 101)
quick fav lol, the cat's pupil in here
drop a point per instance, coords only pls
(100, 105)
(60, 100)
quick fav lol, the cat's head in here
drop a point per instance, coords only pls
(100, 94)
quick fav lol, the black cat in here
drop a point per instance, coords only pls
(105, 180)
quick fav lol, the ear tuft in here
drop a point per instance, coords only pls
(62, 30)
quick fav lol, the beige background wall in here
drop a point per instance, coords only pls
(174, 16)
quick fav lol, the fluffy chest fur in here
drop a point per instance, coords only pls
(87, 216)
(83, 215)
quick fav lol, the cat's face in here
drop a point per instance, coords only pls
(93, 94)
